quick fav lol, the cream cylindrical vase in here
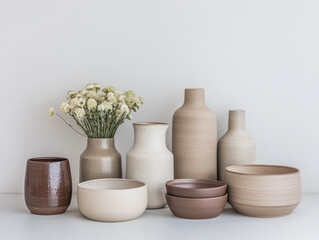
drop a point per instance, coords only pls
(236, 147)
(195, 138)
(100, 159)
(150, 161)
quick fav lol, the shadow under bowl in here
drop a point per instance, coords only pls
(196, 208)
(196, 188)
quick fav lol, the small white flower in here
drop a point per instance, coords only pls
(118, 112)
(129, 117)
(110, 95)
(117, 94)
(124, 108)
(73, 102)
(111, 98)
(64, 107)
(92, 94)
(80, 112)
(71, 94)
(91, 104)
(108, 89)
(141, 100)
(101, 108)
(97, 86)
(129, 94)
(51, 112)
(107, 105)
(81, 102)
(82, 92)
(89, 86)
(121, 98)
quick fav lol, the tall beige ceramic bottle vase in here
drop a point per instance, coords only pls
(195, 138)
(150, 161)
(100, 159)
(236, 147)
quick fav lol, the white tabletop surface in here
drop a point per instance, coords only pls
(16, 222)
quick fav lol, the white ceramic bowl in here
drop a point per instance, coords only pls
(112, 200)
(263, 190)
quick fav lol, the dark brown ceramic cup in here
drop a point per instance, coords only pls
(48, 185)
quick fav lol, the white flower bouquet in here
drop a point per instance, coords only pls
(99, 113)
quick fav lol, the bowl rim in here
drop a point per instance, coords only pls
(198, 199)
(170, 183)
(295, 170)
(80, 185)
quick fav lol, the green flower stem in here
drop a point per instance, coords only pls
(69, 124)
(97, 124)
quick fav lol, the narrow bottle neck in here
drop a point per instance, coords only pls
(237, 119)
(101, 143)
(150, 135)
(194, 96)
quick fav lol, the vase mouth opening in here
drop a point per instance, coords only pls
(101, 138)
(237, 110)
(47, 159)
(194, 89)
(149, 123)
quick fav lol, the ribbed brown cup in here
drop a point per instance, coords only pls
(48, 185)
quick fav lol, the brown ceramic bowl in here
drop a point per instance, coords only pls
(196, 208)
(196, 188)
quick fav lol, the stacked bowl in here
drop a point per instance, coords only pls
(196, 198)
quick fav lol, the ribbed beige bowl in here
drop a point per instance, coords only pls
(263, 190)
(112, 200)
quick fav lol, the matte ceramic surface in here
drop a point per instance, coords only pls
(236, 147)
(100, 160)
(195, 138)
(196, 188)
(48, 185)
(112, 200)
(196, 208)
(263, 190)
(150, 161)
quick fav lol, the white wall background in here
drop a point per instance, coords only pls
(261, 56)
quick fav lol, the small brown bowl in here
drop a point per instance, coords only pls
(196, 208)
(196, 188)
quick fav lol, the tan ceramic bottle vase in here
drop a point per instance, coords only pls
(236, 147)
(100, 159)
(195, 138)
(150, 161)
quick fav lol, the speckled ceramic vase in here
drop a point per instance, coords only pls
(150, 161)
(195, 138)
(236, 147)
(48, 185)
(100, 159)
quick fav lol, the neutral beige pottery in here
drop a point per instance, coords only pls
(150, 161)
(195, 138)
(263, 190)
(100, 160)
(236, 147)
(112, 200)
